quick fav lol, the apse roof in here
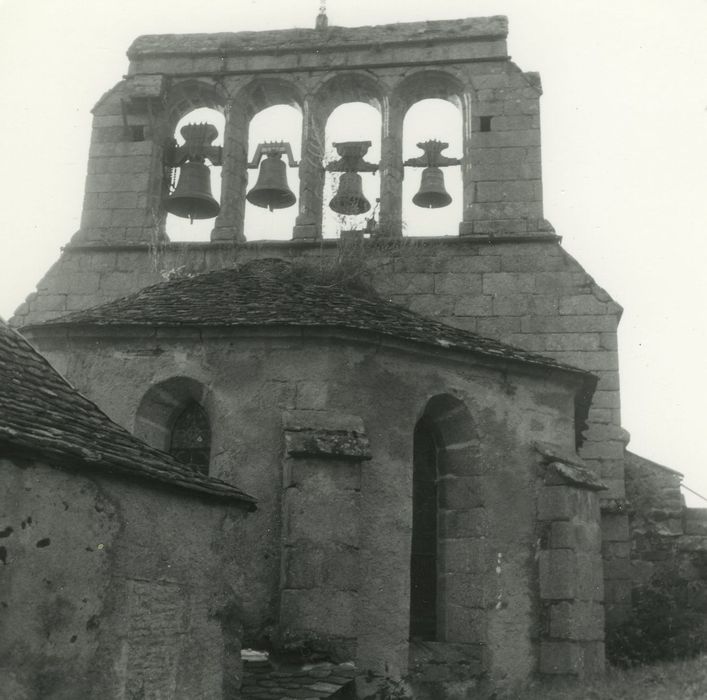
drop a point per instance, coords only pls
(273, 292)
(42, 415)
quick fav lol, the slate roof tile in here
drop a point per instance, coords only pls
(41, 414)
(271, 292)
(269, 679)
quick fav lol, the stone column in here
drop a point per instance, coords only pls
(308, 225)
(392, 171)
(466, 224)
(234, 175)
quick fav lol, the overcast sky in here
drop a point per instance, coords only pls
(624, 120)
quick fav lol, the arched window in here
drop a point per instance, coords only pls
(423, 557)
(190, 441)
(447, 567)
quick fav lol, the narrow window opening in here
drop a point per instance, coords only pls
(190, 441)
(484, 123)
(423, 558)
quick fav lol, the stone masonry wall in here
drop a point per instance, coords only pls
(668, 541)
(114, 589)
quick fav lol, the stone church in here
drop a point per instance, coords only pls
(368, 458)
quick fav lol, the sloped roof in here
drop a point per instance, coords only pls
(265, 680)
(272, 292)
(42, 415)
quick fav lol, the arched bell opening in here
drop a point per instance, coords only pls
(432, 197)
(353, 196)
(273, 182)
(198, 182)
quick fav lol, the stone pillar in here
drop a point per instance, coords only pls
(308, 225)
(124, 185)
(392, 171)
(502, 170)
(234, 175)
(320, 524)
(571, 584)
(466, 225)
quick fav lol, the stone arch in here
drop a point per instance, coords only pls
(188, 95)
(345, 87)
(261, 93)
(163, 404)
(447, 498)
(426, 84)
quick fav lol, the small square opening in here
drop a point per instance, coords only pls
(136, 132)
(484, 123)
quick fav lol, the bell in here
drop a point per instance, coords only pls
(271, 190)
(349, 198)
(432, 194)
(192, 198)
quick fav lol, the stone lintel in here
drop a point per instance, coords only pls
(325, 434)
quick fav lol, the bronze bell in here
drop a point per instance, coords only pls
(432, 194)
(349, 198)
(271, 190)
(192, 198)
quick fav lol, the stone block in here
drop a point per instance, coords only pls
(318, 611)
(432, 304)
(508, 283)
(464, 523)
(469, 263)
(590, 577)
(614, 527)
(82, 283)
(49, 302)
(464, 625)
(577, 621)
(326, 478)
(506, 210)
(593, 659)
(463, 556)
(406, 283)
(557, 503)
(567, 324)
(523, 304)
(461, 460)
(457, 283)
(460, 493)
(508, 191)
(312, 519)
(572, 341)
(474, 306)
(495, 327)
(463, 590)
(117, 200)
(582, 304)
(506, 139)
(562, 535)
(560, 658)
(482, 156)
(96, 217)
(558, 574)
